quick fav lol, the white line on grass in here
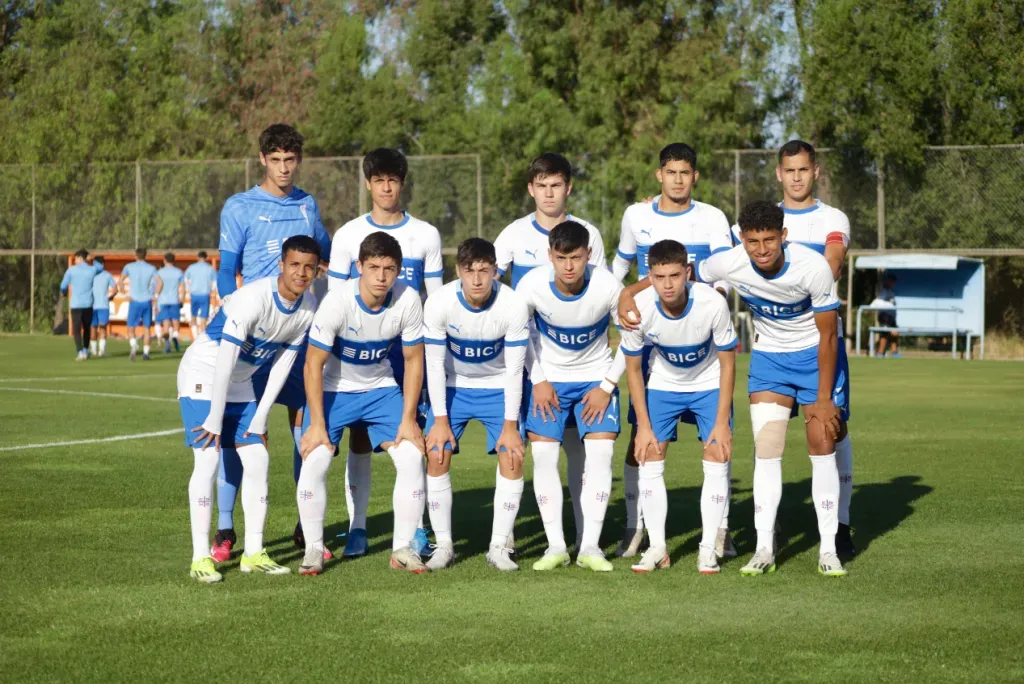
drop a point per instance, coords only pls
(90, 377)
(119, 438)
(86, 394)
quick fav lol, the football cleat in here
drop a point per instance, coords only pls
(593, 559)
(654, 558)
(356, 544)
(552, 558)
(203, 571)
(762, 562)
(262, 562)
(501, 558)
(829, 565)
(844, 542)
(312, 562)
(407, 559)
(442, 557)
(632, 538)
(707, 561)
(724, 546)
(222, 543)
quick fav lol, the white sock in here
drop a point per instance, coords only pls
(507, 496)
(714, 497)
(844, 464)
(200, 499)
(357, 489)
(408, 498)
(825, 492)
(767, 495)
(145, 349)
(133, 343)
(192, 329)
(654, 500)
(728, 496)
(157, 328)
(103, 345)
(631, 485)
(255, 467)
(574, 466)
(547, 487)
(93, 347)
(311, 495)
(597, 488)
(439, 497)
(174, 333)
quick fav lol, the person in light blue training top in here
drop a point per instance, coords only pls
(253, 226)
(200, 279)
(169, 303)
(79, 278)
(103, 288)
(143, 285)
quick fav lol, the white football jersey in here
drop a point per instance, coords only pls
(475, 338)
(523, 245)
(260, 322)
(359, 338)
(685, 356)
(702, 229)
(783, 305)
(572, 332)
(421, 249)
(814, 226)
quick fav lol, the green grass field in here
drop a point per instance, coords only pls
(94, 554)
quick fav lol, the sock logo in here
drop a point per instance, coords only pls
(264, 499)
(630, 496)
(418, 494)
(757, 508)
(845, 479)
(542, 500)
(647, 492)
(828, 505)
(509, 506)
(353, 488)
(602, 496)
(204, 501)
(306, 494)
(434, 505)
(717, 498)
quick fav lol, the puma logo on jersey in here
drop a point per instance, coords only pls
(645, 231)
(354, 330)
(261, 330)
(531, 252)
(544, 315)
(456, 328)
(265, 218)
(653, 336)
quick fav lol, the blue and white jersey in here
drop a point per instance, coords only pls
(523, 246)
(359, 337)
(816, 226)
(254, 226)
(572, 331)
(685, 356)
(783, 305)
(101, 285)
(256, 319)
(702, 229)
(200, 277)
(420, 242)
(475, 338)
(171, 277)
(141, 280)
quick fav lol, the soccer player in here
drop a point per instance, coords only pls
(263, 324)
(200, 281)
(523, 246)
(384, 172)
(352, 332)
(572, 374)
(103, 288)
(703, 230)
(79, 278)
(253, 226)
(693, 369)
(826, 230)
(476, 333)
(169, 303)
(143, 285)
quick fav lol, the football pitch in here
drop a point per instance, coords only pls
(95, 551)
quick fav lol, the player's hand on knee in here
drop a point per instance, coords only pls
(314, 437)
(629, 315)
(826, 413)
(440, 440)
(718, 448)
(645, 444)
(409, 430)
(510, 445)
(206, 439)
(595, 403)
(262, 436)
(545, 400)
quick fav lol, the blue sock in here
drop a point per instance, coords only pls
(296, 456)
(229, 478)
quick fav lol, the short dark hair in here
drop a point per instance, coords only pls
(84, 253)
(99, 259)
(475, 250)
(549, 164)
(281, 137)
(795, 147)
(678, 152)
(385, 161)
(169, 257)
(568, 236)
(201, 254)
(667, 252)
(380, 244)
(140, 253)
(761, 215)
(303, 244)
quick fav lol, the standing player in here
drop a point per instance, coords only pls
(79, 277)
(355, 327)
(703, 230)
(264, 324)
(143, 285)
(253, 226)
(103, 288)
(476, 336)
(523, 246)
(693, 369)
(384, 171)
(572, 374)
(169, 303)
(200, 281)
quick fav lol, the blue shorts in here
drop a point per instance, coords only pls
(200, 306)
(795, 374)
(668, 409)
(293, 394)
(377, 410)
(570, 422)
(397, 359)
(237, 416)
(168, 312)
(140, 314)
(570, 396)
(100, 316)
(465, 404)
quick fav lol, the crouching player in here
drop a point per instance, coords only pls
(352, 333)
(693, 367)
(265, 322)
(476, 331)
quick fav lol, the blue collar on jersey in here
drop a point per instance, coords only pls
(405, 219)
(487, 304)
(659, 212)
(281, 305)
(382, 309)
(570, 298)
(294, 195)
(808, 210)
(785, 266)
(686, 309)
(539, 229)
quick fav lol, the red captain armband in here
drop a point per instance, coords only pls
(838, 238)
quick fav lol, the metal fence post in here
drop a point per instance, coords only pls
(359, 189)
(138, 199)
(247, 163)
(880, 201)
(736, 216)
(32, 262)
(479, 197)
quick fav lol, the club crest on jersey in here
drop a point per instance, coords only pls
(199, 388)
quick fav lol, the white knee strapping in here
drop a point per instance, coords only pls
(769, 423)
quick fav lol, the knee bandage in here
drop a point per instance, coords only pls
(770, 422)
